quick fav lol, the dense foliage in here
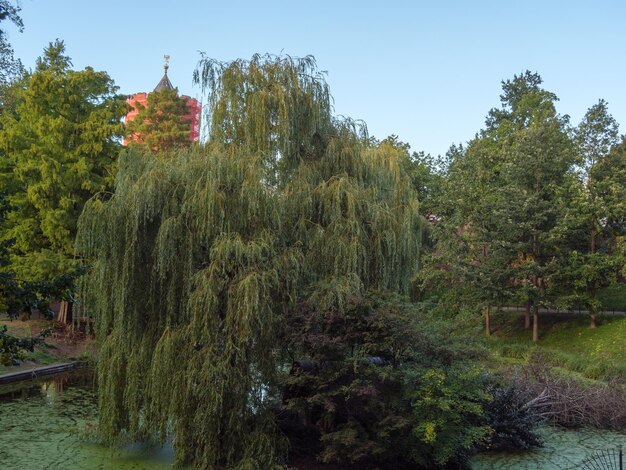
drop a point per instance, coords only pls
(596, 211)
(383, 384)
(59, 147)
(529, 211)
(21, 297)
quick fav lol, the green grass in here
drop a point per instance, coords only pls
(565, 341)
(42, 355)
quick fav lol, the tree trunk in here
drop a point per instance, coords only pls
(535, 323)
(65, 313)
(62, 315)
(527, 315)
(592, 308)
(487, 322)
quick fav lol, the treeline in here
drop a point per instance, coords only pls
(532, 210)
(61, 134)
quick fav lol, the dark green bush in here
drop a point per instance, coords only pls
(385, 385)
(513, 421)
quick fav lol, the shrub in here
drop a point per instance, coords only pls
(383, 385)
(513, 420)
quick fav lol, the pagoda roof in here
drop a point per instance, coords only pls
(164, 84)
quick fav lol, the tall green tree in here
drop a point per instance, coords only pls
(198, 257)
(539, 160)
(163, 123)
(19, 296)
(466, 260)
(59, 148)
(504, 200)
(596, 209)
(283, 118)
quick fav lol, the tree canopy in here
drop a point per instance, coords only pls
(530, 210)
(59, 147)
(595, 211)
(504, 201)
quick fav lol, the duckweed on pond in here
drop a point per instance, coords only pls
(47, 424)
(562, 449)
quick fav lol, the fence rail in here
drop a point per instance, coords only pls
(574, 310)
(38, 372)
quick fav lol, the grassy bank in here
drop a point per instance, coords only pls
(566, 341)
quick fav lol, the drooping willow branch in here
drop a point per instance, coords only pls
(198, 255)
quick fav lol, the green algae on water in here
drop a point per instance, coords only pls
(562, 449)
(50, 425)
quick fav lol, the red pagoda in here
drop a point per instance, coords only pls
(193, 106)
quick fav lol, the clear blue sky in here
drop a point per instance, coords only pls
(426, 71)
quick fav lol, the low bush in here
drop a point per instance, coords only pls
(511, 417)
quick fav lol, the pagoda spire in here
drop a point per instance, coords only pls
(165, 83)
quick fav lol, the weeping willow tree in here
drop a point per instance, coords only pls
(276, 108)
(197, 258)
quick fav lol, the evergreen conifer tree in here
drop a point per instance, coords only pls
(59, 147)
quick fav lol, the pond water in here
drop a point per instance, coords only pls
(47, 424)
(562, 449)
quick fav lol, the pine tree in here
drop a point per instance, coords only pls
(59, 148)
